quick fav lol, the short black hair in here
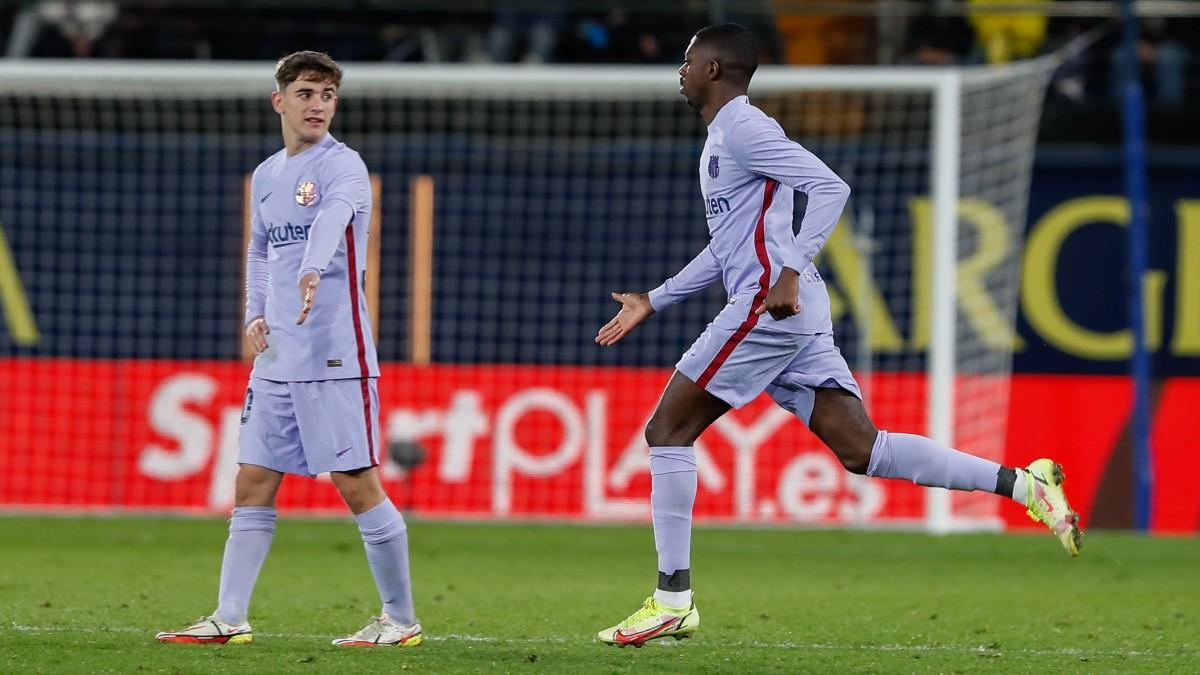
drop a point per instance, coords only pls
(735, 49)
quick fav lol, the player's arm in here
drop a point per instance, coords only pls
(348, 192)
(763, 148)
(697, 275)
(328, 228)
(257, 279)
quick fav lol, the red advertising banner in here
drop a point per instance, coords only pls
(540, 441)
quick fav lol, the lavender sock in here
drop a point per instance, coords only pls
(673, 491)
(251, 529)
(385, 537)
(926, 462)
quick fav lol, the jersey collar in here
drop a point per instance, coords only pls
(727, 109)
(327, 141)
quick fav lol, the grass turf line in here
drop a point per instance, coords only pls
(87, 595)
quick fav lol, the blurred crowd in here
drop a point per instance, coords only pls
(620, 31)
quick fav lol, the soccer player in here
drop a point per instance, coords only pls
(312, 404)
(775, 334)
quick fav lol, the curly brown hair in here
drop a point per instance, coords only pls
(315, 66)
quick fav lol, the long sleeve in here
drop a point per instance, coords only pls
(349, 191)
(257, 272)
(697, 275)
(765, 150)
(326, 233)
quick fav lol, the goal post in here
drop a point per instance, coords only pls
(554, 185)
(944, 167)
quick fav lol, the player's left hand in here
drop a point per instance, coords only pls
(308, 293)
(783, 300)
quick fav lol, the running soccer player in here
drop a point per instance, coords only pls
(312, 403)
(775, 335)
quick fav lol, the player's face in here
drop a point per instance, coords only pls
(307, 108)
(693, 75)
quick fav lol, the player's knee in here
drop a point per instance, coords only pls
(255, 486)
(855, 460)
(654, 434)
(661, 432)
(355, 495)
(360, 491)
(853, 450)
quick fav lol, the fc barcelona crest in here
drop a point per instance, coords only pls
(306, 193)
(713, 167)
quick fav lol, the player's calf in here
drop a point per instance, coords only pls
(1038, 487)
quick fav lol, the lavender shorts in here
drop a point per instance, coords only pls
(307, 428)
(737, 365)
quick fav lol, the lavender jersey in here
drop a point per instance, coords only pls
(748, 171)
(287, 238)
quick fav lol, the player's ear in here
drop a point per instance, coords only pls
(713, 70)
(277, 101)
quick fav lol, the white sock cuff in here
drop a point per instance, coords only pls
(674, 599)
(381, 523)
(879, 452)
(672, 459)
(252, 518)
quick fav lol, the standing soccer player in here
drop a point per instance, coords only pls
(775, 335)
(312, 405)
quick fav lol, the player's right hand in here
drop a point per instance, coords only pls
(635, 307)
(308, 293)
(256, 332)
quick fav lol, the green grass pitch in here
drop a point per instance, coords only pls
(84, 595)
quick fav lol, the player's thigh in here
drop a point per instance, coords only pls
(818, 387)
(840, 420)
(817, 365)
(269, 435)
(338, 421)
(683, 412)
(726, 367)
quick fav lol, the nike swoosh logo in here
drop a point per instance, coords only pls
(1038, 478)
(345, 451)
(265, 197)
(649, 632)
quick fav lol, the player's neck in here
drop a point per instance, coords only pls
(718, 100)
(296, 145)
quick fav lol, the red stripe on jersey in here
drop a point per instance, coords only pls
(764, 284)
(364, 373)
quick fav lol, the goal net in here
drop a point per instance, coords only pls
(509, 203)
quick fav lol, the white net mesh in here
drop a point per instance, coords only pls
(121, 199)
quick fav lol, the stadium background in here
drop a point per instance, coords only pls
(131, 338)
